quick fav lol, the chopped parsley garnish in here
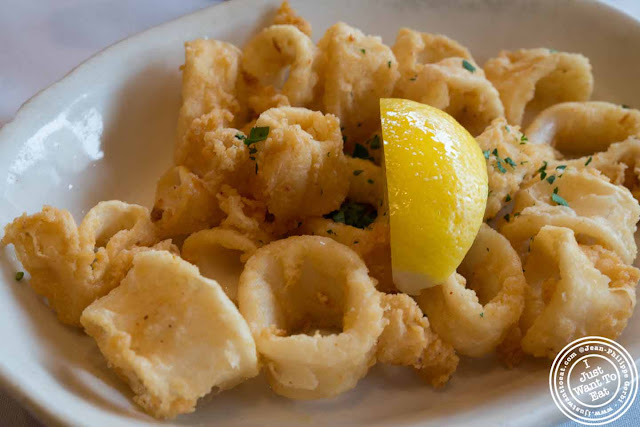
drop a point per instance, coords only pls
(561, 167)
(508, 198)
(19, 275)
(495, 152)
(507, 128)
(507, 217)
(510, 162)
(551, 179)
(257, 134)
(468, 66)
(374, 142)
(240, 136)
(253, 150)
(361, 152)
(256, 169)
(516, 214)
(625, 106)
(588, 160)
(486, 153)
(499, 166)
(359, 215)
(330, 231)
(357, 172)
(482, 314)
(523, 139)
(370, 181)
(413, 79)
(543, 170)
(559, 200)
(364, 52)
(555, 190)
(389, 64)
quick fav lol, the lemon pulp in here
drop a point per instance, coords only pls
(437, 190)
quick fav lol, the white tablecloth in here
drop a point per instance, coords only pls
(41, 40)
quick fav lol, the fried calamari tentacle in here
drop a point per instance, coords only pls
(474, 310)
(457, 86)
(414, 50)
(72, 266)
(510, 158)
(535, 79)
(184, 204)
(300, 169)
(287, 16)
(582, 200)
(209, 81)
(407, 340)
(573, 291)
(279, 60)
(355, 72)
(583, 128)
(172, 334)
(314, 313)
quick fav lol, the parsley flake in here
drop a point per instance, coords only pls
(257, 134)
(413, 79)
(508, 198)
(510, 162)
(19, 275)
(370, 181)
(482, 314)
(588, 160)
(507, 217)
(240, 136)
(486, 153)
(374, 142)
(364, 52)
(559, 200)
(523, 139)
(625, 106)
(499, 166)
(361, 152)
(357, 172)
(551, 179)
(561, 167)
(389, 64)
(359, 215)
(468, 66)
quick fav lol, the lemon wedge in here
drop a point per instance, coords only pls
(437, 189)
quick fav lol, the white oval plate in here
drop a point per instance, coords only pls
(106, 130)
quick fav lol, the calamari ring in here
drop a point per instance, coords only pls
(273, 51)
(538, 78)
(184, 204)
(209, 81)
(475, 318)
(573, 291)
(300, 167)
(598, 211)
(582, 128)
(355, 71)
(219, 254)
(314, 313)
(414, 49)
(499, 142)
(448, 85)
(72, 266)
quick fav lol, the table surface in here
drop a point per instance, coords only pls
(42, 40)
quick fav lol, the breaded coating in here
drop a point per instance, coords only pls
(209, 81)
(510, 159)
(355, 72)
(407, 340)
(534, 79)
(72, 266)
(172, 334)
(287, 16)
